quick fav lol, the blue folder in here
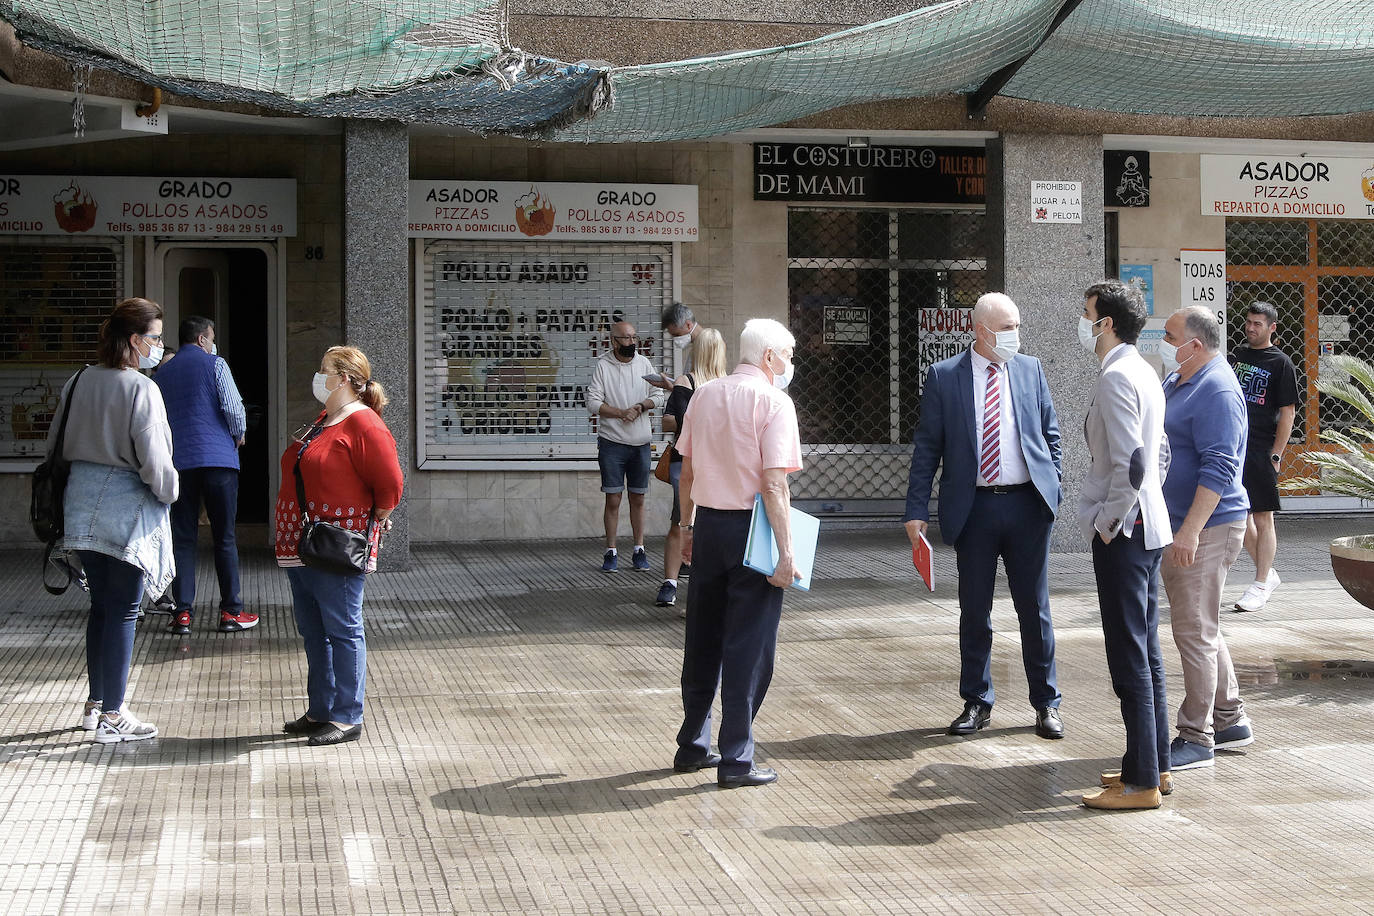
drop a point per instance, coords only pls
(761, 551)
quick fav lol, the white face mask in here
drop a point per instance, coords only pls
(214, 349)
(320, 388)
(782, 381)
(1086, 337)
(1169, 353)
(683, 342)
(152, 359)
(1006, 344)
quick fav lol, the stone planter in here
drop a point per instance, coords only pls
(1352, 560)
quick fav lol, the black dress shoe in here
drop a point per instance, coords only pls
(303, 726)
(332, 734)
(758, 776)
(974, 717)
(1047, 723)
(712, 760)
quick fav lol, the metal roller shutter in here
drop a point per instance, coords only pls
(508, 336)
(54, 293)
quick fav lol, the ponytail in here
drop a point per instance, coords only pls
(373, 395)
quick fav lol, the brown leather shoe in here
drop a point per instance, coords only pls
(1113, 778)
(1114, 798)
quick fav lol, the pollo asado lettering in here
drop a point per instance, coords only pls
(513, 272)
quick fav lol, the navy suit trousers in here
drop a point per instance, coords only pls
(1128, 592)
(1014, 526)
(732, 637)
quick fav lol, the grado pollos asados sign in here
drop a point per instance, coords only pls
(1291, 187)
(553, 210)
(67, 205)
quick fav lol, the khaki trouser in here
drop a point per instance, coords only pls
(1211, 695)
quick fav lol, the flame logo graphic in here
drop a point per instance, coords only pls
(74, 208)
(534, 213)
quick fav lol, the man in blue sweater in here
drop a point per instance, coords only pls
(1205, 420)
(208, 423)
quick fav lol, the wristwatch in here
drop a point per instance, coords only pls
(1274, 457)
(687, 526)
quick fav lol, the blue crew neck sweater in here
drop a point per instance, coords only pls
(1206, 423)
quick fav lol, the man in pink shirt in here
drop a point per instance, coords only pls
(739, 438)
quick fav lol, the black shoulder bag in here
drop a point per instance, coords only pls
(49, 487)
(325, 546)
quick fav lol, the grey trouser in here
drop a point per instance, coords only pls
(1211, 697)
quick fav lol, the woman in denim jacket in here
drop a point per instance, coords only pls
(115, 510)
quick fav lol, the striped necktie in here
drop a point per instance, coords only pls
(990, 458)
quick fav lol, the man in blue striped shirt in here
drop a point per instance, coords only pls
(208, 423)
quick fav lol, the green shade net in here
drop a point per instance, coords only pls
(447, 62)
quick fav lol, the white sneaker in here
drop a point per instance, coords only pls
(90, 718)
(1257, 593)
(127, 728)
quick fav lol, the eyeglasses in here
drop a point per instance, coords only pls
(155, 338)
(631, 337)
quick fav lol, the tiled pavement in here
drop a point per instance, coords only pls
(520, 717)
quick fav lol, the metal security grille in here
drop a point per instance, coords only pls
(510, 334)
(53, 297)
(1317, 274)
(875, 297)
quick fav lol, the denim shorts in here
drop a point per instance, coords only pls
(620, 463)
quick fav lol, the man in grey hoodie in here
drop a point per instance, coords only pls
(621, 399)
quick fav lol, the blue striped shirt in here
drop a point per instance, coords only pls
(229, 399)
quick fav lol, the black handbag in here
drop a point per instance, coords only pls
(50, 481)
(49, 488)
(325, 546)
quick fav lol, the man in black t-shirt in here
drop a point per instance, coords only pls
(1270, 383)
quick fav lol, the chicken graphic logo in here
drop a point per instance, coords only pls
(74, 208)
(1367, 183)
(534, 213)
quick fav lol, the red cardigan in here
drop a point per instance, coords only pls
(349, 469)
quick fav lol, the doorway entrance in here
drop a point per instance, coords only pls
(235, 285)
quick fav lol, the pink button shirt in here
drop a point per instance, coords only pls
(735, 428)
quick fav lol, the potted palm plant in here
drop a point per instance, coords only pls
(1348, 470)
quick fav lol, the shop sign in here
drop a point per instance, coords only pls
(1056, 201)
(1126, 177)
(1288, 187)
(64, 205)
(892, 174)
(845, 325)
(912, 174)
(1202, 281)
(553, 211)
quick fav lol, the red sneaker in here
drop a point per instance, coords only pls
(232, 623)
(180, 624)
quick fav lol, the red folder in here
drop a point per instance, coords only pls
(924, 562)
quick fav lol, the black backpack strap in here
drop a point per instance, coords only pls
(66, 412)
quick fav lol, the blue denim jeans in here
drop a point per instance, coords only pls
(329, 617)
(219, 489)
(116, 592)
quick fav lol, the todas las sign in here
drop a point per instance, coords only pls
(64, 205)
(1288, 187)
(553, 211)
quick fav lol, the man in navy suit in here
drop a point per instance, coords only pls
(987, 415)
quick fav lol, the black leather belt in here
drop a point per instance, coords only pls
(1008, 488)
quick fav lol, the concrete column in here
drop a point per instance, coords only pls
(1045, 267)
(376, 287)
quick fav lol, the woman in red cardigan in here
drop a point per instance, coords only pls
(352, 479)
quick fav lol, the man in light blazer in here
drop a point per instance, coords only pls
(1122, 512)
(987, 415)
